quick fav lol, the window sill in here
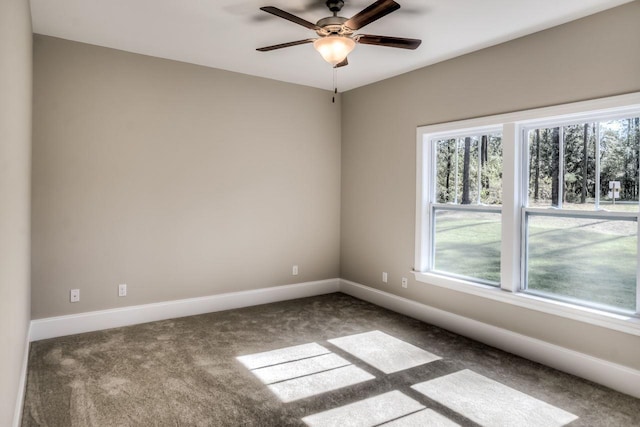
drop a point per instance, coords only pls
(617, 322)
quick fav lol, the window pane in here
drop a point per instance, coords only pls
(491, 169)
(469, 174)
(619, 164)
(590, 260)
(563, 162)
(469, 170)
(544, 167)
(468, 244)
(447, 161)
(579, 167)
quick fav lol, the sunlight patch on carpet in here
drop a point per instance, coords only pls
(366, 413)
(299, 368)
(427, 417)
(282, 355)
(302, 371)
(310, 385)
(490, 403)
(384, 352)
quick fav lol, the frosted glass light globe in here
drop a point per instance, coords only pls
(334, 49)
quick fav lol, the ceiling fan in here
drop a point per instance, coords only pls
(336, 34)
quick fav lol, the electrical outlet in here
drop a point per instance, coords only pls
(294, 270)
(405, 282)
(122, 290)
(74, 295)
(385, 277)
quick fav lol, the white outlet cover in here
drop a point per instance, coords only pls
(74, 295)
(385, 277)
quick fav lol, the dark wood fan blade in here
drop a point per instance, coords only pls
(388, 41)
(289, 17)
(280, 46)
(371, 13)
(341, 64)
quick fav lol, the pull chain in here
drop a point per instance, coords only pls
(335, 84)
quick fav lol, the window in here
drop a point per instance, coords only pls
(581, 216)
(465, 207)
(543, 204)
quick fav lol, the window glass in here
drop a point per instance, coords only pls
(564, 162)
(469, 170)
(591, 166)
(467, 232)
(583, 259)
(619, 164)
(579, 168)
(544, 167)
(468, 244)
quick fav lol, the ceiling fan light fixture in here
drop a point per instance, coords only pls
(334, 49)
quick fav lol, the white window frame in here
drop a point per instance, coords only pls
(514, 202)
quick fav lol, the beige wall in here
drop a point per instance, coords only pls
(590, 58)
(15, 159)
(178, 180)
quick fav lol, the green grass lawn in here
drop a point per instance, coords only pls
(584, 259)
(468, 247)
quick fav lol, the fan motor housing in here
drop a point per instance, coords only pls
(333, 25)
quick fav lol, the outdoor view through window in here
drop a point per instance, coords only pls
(467, 209)
(585, 246)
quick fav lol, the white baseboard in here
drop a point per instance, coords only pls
(52, 327)
(612, 375)
(17, 413)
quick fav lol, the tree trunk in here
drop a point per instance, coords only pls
(484, 157)
(465, 171)
(585, 163)
(636, 176)
(555, 166)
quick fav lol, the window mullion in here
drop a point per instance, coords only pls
(597, 150)
(479, 174)
(455, 199)
(561, 167)
(511, 196)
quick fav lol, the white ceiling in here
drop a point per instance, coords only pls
(225, 33)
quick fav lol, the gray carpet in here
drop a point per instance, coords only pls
(228, 368)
